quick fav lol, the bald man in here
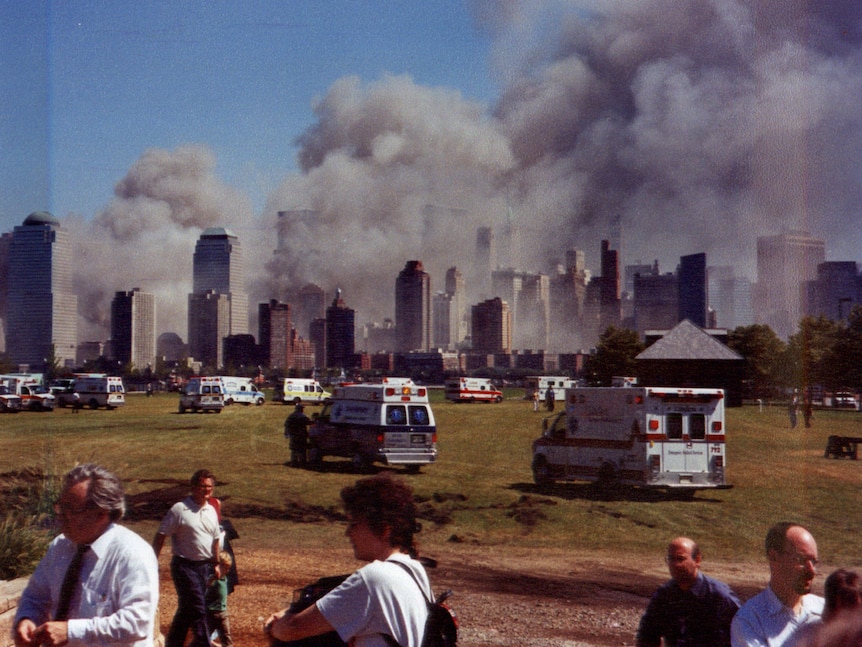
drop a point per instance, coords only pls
(691, 608)
(775, 616)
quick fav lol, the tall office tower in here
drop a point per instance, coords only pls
(691, 276)
(274, 334)
(729, 297)
(218, 269)
(413, 308)
(42, 318)
(835, 291)
(218, 265)
(507, 284)
(5, 244)
(310, 306)
(133, 328)
(611, 310)
(441, 309)
(656, 301)
(209, 324)
(784, 263)
(567, 295)
(340, 334)
(485, 261)
(492, 327)
(458, 322)
(317, 335)
(534, 312)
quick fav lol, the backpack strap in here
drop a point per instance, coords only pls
(389, 639)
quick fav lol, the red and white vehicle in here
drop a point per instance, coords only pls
(34, 396)
(660, 437)
(472, 389)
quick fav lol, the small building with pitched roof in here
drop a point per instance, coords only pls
(688, 356)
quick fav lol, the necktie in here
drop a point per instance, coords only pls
(70, 582)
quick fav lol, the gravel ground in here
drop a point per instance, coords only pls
(528, 599)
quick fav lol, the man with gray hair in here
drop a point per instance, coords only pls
(98, 584)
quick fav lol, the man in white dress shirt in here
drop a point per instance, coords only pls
(775, 616)
(112, 599)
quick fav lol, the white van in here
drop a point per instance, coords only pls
(94, 390)
(390, 423)
(242, 390)
(295, 390)
(202, 394)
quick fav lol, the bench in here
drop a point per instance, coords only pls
(842, 447)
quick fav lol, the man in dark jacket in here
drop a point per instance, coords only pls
(691, 608)
(296, 430)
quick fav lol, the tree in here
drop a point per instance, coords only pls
(615, 356)
(763, 351)
(810, 355)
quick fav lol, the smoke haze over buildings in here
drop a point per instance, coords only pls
(702, 124)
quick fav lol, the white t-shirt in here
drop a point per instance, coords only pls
(192, 529)
(378, 599)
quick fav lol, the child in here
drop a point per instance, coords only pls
(216, 597)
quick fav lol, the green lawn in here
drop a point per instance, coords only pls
(481, 486)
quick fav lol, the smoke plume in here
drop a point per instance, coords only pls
(701, 124)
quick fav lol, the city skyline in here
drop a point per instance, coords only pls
(698, 130)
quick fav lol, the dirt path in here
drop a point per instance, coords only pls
(530, 599)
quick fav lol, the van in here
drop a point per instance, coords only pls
(557, 382)
(294, 390)
(202, 394)
(656, 437)
(94, 390)
(472, 389)
(241, 390)
(390, 423)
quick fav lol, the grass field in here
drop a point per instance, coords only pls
(481, 485)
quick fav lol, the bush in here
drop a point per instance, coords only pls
(22, 545)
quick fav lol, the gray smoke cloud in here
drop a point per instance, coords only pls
(702, 124)
(146, 236)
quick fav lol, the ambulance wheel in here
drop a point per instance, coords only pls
(359, 463)
(182, 409)
(228, 402)
(542, 472)
(498, 399)
(94, 404)
(315, 456)
(607, 474)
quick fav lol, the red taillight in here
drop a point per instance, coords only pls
(434, 438)
(380, 438)
(390, 391)
(719, 461)
(421, 393)
(653, 425)
(716, 425)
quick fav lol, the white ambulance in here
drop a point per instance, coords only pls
(390, 423)
(94, 390)
(295, 390)
(241, 390)
(33, 396)
(472, 389)
(659, 437)
(202, 394)
(558, 383)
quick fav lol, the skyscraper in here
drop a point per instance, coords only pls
(218, 270)
(692, 289)
(133, 328)
(274, 333)
(340, 334)
(42, 320)
(784, 264)
(413, 308)
(492, 327)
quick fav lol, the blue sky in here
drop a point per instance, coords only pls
(89, 86)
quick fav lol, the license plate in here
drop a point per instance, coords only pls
(417, 439)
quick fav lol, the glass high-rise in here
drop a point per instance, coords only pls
(42, 319)
(133, 328)
(218, 290)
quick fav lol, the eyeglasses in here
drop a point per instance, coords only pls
(802, 560)
(67, 511)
